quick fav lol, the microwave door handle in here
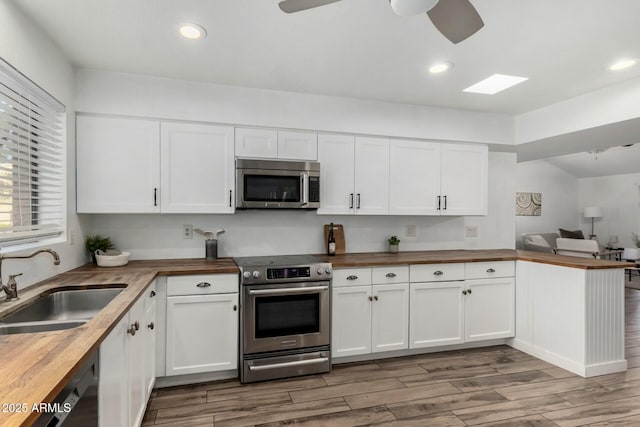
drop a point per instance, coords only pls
(303, 186)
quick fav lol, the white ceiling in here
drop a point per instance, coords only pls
(612, 161)
(355, 48)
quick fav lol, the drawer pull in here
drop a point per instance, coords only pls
(464, 292)
(151, 325)
(438, 273)
(391, 275)
(203, 285)
(469, 291)
(491, 270)
(132, 330)
(352, 277)
(152, 294)
(370, 298)
(376, 298)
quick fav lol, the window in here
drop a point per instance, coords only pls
(32, 161)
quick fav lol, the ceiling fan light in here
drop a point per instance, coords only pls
(411, 7)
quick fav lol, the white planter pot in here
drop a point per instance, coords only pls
(631, 254)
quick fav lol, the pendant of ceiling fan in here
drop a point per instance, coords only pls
(455, 19)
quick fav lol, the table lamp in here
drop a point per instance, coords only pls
(593, 212)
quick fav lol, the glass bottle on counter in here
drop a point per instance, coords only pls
(331, 242)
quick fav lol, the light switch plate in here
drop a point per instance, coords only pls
(470, 231)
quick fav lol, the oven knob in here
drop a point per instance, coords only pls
(328, 271)
(319, 271)
(246, 274)
(256, 274)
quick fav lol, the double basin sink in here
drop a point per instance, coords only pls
(58, 310)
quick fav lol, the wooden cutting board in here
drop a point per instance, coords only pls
(338, 233)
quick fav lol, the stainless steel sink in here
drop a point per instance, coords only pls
(31, 327)
(58, 310)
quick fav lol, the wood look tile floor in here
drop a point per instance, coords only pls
(493, 386)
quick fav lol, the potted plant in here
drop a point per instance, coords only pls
(394, 244)
(95, 242)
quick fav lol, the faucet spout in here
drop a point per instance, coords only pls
(11, 290)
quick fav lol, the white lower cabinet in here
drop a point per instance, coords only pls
(465, 308)
(202, 324)
(367, 317)
(127, 366)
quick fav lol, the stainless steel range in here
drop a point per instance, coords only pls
(285, 316)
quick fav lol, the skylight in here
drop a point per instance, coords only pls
(494, 84)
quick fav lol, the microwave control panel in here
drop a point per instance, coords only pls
(314, 189)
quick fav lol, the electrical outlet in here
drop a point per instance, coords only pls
(72, 237)
(187, 231)
(411, 231)
(470, 231)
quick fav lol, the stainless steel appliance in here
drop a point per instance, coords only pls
(277, 184)
(285, 316)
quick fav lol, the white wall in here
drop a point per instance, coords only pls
(26, 48)
(135, 95)
(619, 196)
(559, 198)
(256, 232)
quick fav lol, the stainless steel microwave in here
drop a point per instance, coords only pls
(277, 184)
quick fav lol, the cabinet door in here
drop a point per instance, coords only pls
(202, 333)
(112, 389)
(197, 168)
(414, 181)
(260, 143)
(336, 157)
(464, 179)
(390, 317)
(489, 309)
(118, 165)
(150, 334)
(436, 314)
(351, 321)
(371, 176)
(297, 145)
(137, 353)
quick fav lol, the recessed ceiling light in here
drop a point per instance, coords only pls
(440, 67)
(495, 84)
(192, 31)
(621, 65)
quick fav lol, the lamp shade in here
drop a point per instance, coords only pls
(593, 212)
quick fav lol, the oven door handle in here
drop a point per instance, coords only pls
(309, 289)
(289, 364)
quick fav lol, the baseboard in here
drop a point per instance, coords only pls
(178, 380)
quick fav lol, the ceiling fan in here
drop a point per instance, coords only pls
(455, 19)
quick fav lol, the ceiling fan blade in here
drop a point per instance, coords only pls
(455, 19)
(291, 6)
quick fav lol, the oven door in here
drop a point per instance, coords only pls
(269, 189)
(285, 316)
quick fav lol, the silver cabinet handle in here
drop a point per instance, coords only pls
(490, 270)
(391, 275)
(464, 292)
(131, 330)
(438, 273)
(469, 291)
(136, 325)
(308, 289)
(152, 294)
(151, 325)
(352, 277)
(375, 297)
(289, 364)
(203, 285)
(370, 298)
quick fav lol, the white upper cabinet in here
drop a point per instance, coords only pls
(261, 143)
(464, 179)
(118, 165)
(336, 155)
(354, 175)
(276, 144)
(297, 145)
(197, 168)
(414, 180)
(372, 176)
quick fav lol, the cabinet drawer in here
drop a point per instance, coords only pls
(209, 284)
(436, 272)
(381, 275)
(485, 270)
(351, 277)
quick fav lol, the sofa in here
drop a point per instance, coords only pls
(539, 242)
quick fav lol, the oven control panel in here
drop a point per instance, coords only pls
(288, 273)
(300, 273)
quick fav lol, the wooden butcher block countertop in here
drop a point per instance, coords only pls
(36, 366)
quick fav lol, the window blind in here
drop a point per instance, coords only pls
(32, 160)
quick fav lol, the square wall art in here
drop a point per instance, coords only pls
(528, 204)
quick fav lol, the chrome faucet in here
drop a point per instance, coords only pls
(11, 288)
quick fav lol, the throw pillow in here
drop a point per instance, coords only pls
(567, 234)
(537, 239)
